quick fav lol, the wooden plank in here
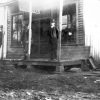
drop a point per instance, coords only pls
(45, 62)
(80, 25)
(72, 52)
(8, 28)
(30, 30)
(60, 29)
(92, 62)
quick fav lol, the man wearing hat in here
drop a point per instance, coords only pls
(53, 36)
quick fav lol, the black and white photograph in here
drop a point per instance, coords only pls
(49, 50)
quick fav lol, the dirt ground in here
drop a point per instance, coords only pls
(40, 84)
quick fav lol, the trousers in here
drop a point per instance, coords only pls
(53, 48)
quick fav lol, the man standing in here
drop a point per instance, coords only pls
(53, 36)
(25, 40)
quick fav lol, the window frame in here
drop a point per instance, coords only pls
(75, 34)
(13, 43)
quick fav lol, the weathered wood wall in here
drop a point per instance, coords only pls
(92, 27)
(80, 51)
(74, 53)
(80, 23)
(41, 49)
(12, 52)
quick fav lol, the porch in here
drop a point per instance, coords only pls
(72, 55)
(71, 47)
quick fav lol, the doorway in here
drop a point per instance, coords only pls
(40, 46)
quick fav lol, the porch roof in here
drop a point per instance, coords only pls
(38, 5)
(42, 4)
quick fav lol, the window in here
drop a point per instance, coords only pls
(69, 24)
(16, 30)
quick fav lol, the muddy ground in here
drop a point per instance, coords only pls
(39, 84)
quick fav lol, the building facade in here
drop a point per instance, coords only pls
(68, 20)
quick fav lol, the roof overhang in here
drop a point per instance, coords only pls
(7, 3)
(42, 4)
(38, 5)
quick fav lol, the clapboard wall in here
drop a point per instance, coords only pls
(12, 52)
(92, 27)
(80, 23)
(79, 50)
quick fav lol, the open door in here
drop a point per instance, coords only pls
(35, 45)
(40, 46)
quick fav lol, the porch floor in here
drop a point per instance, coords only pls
(44, 61)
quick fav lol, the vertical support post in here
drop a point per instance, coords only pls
(30, 31)
(60, 67)
(60, 28)
(5, 32)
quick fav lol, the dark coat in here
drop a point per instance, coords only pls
(52, 34)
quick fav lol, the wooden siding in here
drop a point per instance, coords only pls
(92, 27)
(12, 53)
(67, 52)
(80, 23)
(74, 52)
(8, 28)
(15, 53)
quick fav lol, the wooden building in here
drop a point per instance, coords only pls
(68, 17)
(92, 28)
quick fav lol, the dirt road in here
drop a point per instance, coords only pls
(37, 84)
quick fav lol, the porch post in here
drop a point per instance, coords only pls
(60, 68)
(60, 28)
(4, 37)
(30, 31)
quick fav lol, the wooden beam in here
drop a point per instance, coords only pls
(92, 62)
(4, 38)
(60, 28)
(30, 31)
(8, 3)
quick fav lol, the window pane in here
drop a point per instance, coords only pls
(69, 24)
(16, 30)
